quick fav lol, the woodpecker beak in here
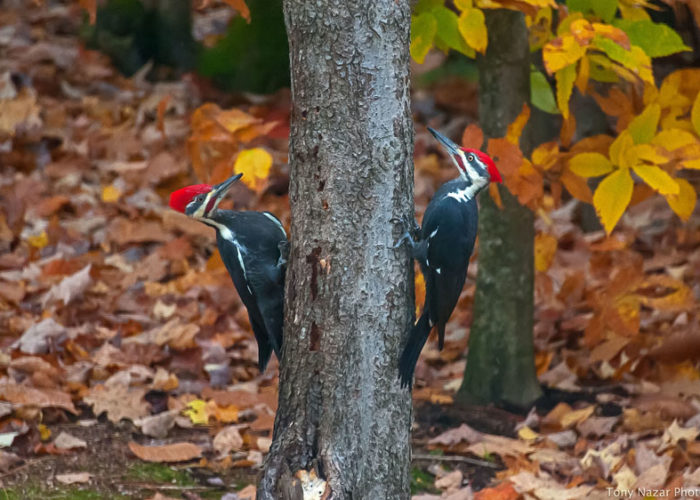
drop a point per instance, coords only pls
(220, 190)
(450, 146)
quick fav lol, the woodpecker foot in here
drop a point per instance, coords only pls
(284, 253)
(405, 237)
(410, 225)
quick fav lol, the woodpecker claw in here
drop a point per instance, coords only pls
(284, 253)
(405, 237)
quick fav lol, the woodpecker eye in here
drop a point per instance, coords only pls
(470, 158)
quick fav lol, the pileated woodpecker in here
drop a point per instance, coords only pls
(253, 247)
(445, 245)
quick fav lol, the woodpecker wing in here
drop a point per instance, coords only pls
(249, 245)
(449, 228)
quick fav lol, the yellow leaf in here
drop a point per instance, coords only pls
(197, 412)
(254, 164)
(612, 197)
(39, 240)
(110, 194)
(464, 4)
(565, 78)
(650, 153)
(546, 155)
(527, 434)
(657, 178)
(695, 114)
(675, 296)
(683, 203)
(590, 165)
(44, 432)
(673, 139)
(619, 148)
(643, 127)
(515, 129)
(561, 52)
(472, 26)
(692, 164)
(545, 248)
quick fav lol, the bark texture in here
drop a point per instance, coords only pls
(349, 296)
(500, 363)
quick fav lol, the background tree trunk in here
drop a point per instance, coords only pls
(500, 363)
(349, 293)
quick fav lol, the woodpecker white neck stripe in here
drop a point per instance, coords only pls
(470, 191)
(276, 221)
(229, 236)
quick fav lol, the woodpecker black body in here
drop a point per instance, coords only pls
(445, 244)
(252, 246)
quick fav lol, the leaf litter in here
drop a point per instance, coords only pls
(125, 339)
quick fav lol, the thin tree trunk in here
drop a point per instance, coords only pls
(349, 295)
(500, 363)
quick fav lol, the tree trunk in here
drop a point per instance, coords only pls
(349, 296)
(500, 363)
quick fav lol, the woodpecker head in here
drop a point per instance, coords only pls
(200, 200)
(472, 164)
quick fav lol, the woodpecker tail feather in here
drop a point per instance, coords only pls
(409, 357)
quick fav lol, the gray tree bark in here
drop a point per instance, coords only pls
(349, 295)
(500, 363)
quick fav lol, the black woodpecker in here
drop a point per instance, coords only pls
(445, 244)
(253, 246)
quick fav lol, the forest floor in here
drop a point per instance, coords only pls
(127, 364)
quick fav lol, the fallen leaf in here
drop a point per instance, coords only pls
(38, 338)
(41, 398)
(463, 433)
(176, 452)
(118, 401)
(157, 426)
(228, 439)
(69, 288)
(74, 477)
(65, 441)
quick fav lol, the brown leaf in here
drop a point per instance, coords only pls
(176, 452)
(668, 407)
(678, 346)
(74, 478)
(122, 231)
(118, 401)
(69, 288)
(463, 433)
(42, 398)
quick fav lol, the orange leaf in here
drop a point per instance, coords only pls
(162, 108)
(176, 452)
(507, 156)
(496, 195)
(241, 7)
(504, 491)
(473, 137)
(91, 7)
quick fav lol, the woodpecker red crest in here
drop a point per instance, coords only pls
(472, 163)
(199, 200)
(180, 198)
(486, 160)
